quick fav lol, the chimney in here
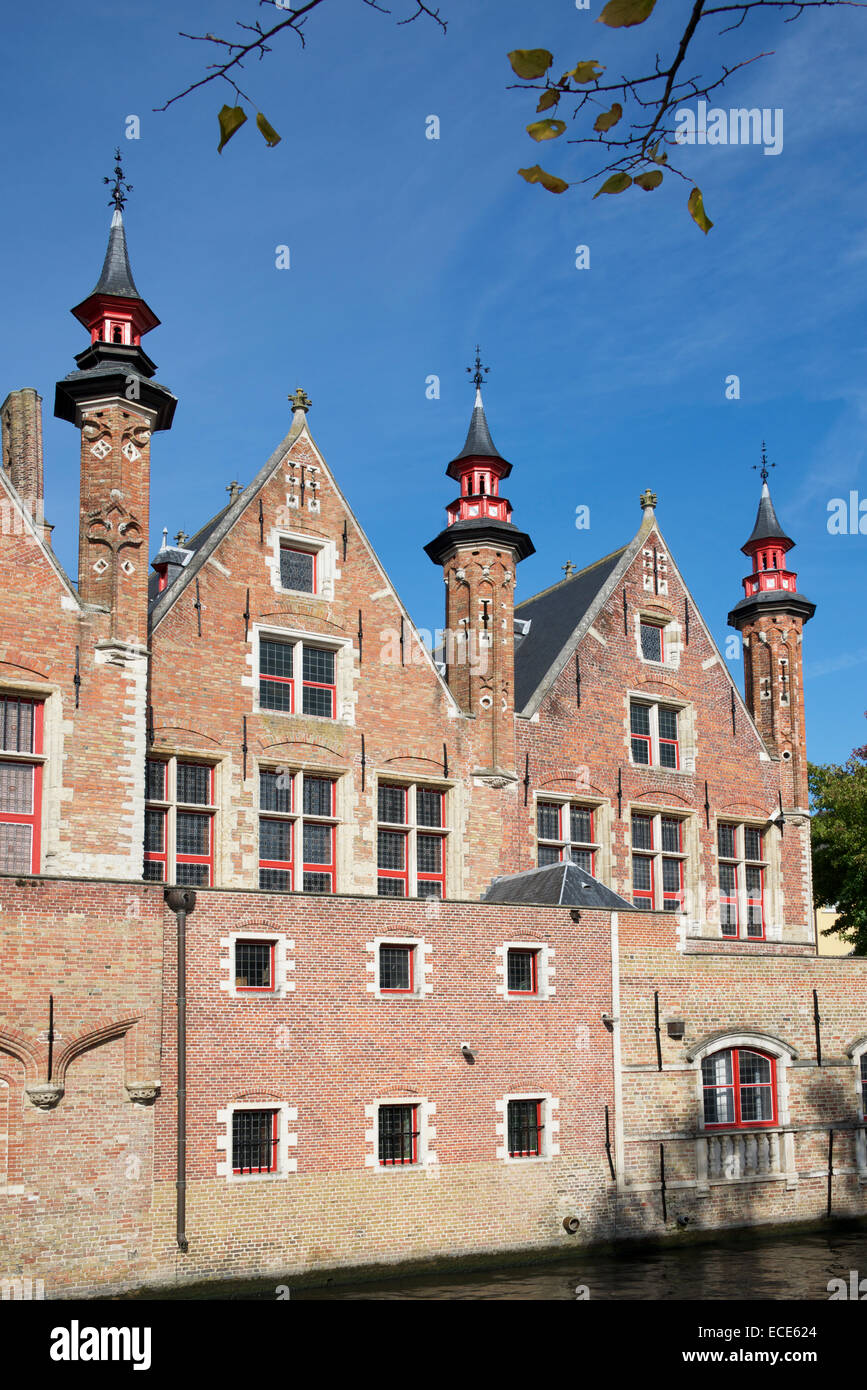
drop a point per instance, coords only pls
(21, 420)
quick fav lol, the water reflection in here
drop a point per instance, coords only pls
(794, 1268)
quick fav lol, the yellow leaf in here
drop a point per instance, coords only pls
(231, 119)
(268, 131)
(652, 178)
(547, 100)
(616, 184)
(608, 118)
(549, 181)
(546, 130)
(530, 62)
(622, 14)
(586, 71)
(697, 212)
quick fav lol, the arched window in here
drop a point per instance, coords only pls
(739, 1087)
(117, 335)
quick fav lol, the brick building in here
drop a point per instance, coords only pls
(352, 954)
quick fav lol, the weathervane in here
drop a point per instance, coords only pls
(478, 376)
(120, 187)
(765, 464)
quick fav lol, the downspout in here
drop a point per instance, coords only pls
(181, 901)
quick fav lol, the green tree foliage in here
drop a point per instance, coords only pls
(838, 797)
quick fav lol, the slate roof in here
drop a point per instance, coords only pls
(557, 885)
(478, 442)
(116, 277)
(554, 615)
(767, 526)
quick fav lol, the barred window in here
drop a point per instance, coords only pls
(522, 971)
(254, 965)
(398, 1134)
(525, 1128)
(396, 969)
(254, 1141)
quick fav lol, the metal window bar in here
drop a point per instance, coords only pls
(525, 1128)
(398, 1135)
(254, 1141)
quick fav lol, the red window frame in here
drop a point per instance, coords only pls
(735, 1086)
(645, 739)
(400, 828)
(396, 946)
(254, 1172)
(266, 678)
(864, 1084)
(646, 897)
(526, 1153)
(431, 832)
(327, 869)
(33, 818)
(154, 856)
(669, 742)
(319, 685)
(759, 902)
(297, 550)
(671, 856)
(660, 628)
(255, 989)
(286, 866)
(533, 953)
(197, 808)
(731, 930)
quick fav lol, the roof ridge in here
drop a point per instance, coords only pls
(577, 575)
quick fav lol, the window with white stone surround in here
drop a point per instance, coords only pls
(399, 967)
(399, 1136)
(299, 563)
(525, 970)
(256, 963)
(527, 1127)
(257, 1141)
(300, 674)
(657, 640)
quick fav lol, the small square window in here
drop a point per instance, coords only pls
(254, 1141)
(525, 1127)
(297, 569)
(396, 969)
(522, 972)
(254, 965)
(398, 1134)
(651, 642)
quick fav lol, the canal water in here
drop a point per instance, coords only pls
(788, 1268)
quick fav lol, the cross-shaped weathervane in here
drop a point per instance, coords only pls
(119, 185)
(764, 465)
(480, 372)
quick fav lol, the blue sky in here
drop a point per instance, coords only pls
(405, 252)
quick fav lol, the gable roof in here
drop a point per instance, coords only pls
(554, 614)
(557, 885)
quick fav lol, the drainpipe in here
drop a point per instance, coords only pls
(181, 901)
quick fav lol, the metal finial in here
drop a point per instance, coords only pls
(165, 544)
(478, 375)
(182, 538)
(765, 465)
(568, 569)
(119, 185)
(300, 401)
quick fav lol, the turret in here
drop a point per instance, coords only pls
(479, 550)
